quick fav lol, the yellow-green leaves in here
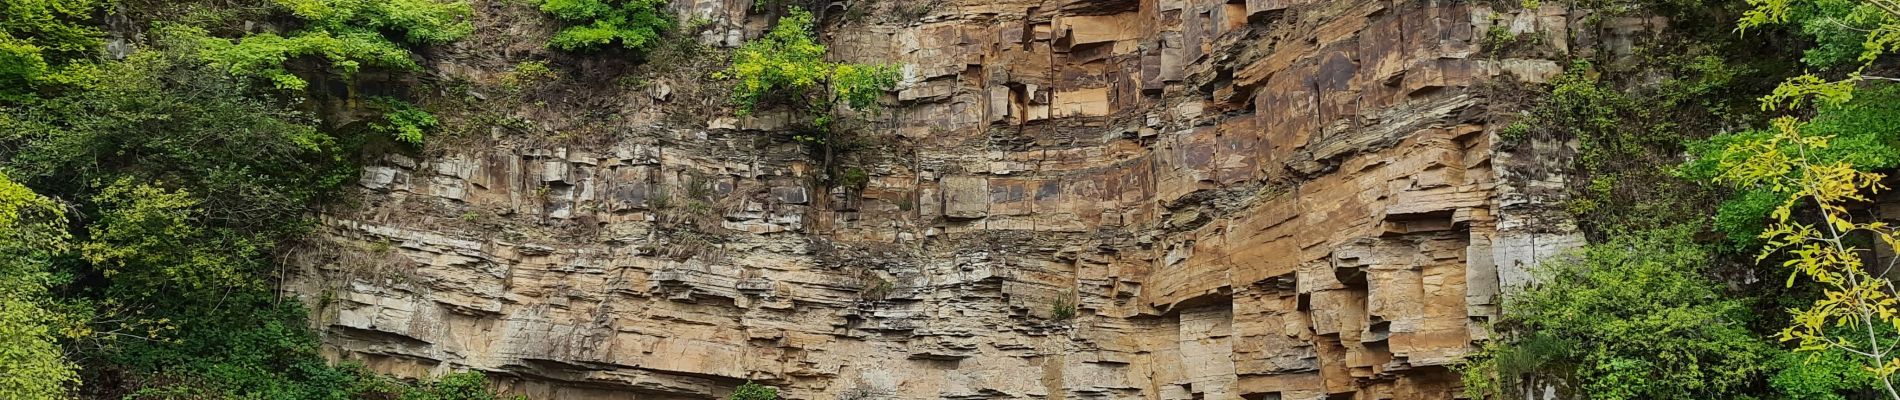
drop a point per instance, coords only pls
(1877, 20)
(1854, 299)
(348, 34)
(636, 24)
(32, 230)
(37, 37)
(789, 62)
(151, 238)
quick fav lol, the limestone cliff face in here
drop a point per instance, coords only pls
(1261, 199)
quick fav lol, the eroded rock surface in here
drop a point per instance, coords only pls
(1261, 199)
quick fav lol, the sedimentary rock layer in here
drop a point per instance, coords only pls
(1156, 199)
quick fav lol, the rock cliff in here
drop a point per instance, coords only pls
(1114, 199)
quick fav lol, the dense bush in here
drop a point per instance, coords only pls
(348, 34)
(1866, 134)
(1629, 318)
(188, 177)
(636, 24)
(754, 391)
(38, 37)
(789, 64)
(32, 234)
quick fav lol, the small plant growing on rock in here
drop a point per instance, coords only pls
(528, 73)
(754, 391)
(403, 121)
(1063, 308)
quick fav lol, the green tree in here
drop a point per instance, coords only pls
(189, 178)
(32, 233)
(1857, 307)
(1630, 318)
(636, 24)
(1835, 23)
(1865, 133)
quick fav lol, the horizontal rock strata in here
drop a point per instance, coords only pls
(1159, 199)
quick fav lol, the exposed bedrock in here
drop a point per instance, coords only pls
(1268, 199)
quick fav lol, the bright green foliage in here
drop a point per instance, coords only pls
(1839, 27)
(403, 121)
(1866, 134)
(1873, 24)
(754, 391)
(636, 24)
(252, 164)
(1630, 318)
(468, 385)
(31, 365)
(429, 22)
(788, 62)
(1857, 307)
(858, 86)
(32, 233)
(37, 37)
(785, 59)
(188, 178)
(150, 237)
(349, 34)
(1822, 375)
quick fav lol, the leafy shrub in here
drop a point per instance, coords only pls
(147, 240)
(348, 34)
(469, 385)
(1626, 319)
(1866, 134)
(403, 121)
(1822, 375)
(37, 37)
(636, 24)
(754, 391)
(787, 62)
(32, 233)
